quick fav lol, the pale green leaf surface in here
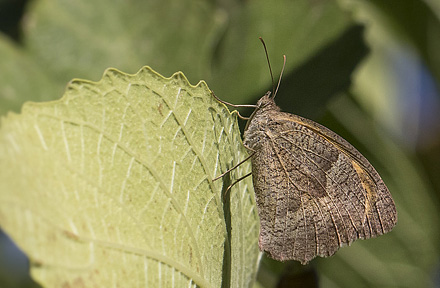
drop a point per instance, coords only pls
(112, 186)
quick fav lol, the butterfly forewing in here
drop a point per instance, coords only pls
(315, 191)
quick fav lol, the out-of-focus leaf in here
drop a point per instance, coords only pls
(298, 29)
(82, 38)
(417, 22)
(307, 89)
(216, 42)
(21, 79)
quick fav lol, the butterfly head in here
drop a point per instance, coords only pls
(264, 105)
(267, 102)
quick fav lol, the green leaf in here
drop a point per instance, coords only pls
(112, 186)
(298, 29)
(217, 41)
(21, 79)
(82, 38)
(207, 40)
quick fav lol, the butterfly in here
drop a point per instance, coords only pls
(314, 191)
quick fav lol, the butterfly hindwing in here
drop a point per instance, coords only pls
(315, 191)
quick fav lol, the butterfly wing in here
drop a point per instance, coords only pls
(315, 192)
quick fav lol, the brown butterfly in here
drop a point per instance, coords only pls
(315, 192)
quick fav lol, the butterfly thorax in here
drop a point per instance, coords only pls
(258, 121)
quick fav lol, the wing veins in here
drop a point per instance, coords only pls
(327, 175)
(360, 213)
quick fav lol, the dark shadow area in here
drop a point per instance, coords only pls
(226, 199)
(11, 13)
(14, 265)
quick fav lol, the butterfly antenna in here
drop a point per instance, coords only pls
(270, 68)
(281, 75)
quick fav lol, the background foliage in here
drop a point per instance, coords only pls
(369, 70)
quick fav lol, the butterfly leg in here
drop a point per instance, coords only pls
(229, 170)
(235, 182)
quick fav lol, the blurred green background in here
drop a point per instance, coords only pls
(369, 70)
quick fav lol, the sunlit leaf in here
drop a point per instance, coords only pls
(112, 186)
